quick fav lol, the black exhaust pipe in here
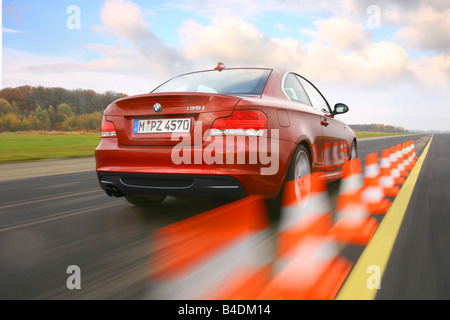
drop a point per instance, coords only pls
(117, 193)
(108, 191)
(112, 191)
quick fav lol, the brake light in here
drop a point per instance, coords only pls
(108, 129)
(241, 122)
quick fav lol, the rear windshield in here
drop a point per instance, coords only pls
(227, 81)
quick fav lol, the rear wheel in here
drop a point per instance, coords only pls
(145, 200)
(353, 151)
(299, 167)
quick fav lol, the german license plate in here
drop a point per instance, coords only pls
(162, 126)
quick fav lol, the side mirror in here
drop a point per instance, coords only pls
(340, 108)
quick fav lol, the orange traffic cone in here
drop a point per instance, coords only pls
(352, 178)
(406, 157)
(414, 157)
(218, 254)
(308, 265)
(394, 167)
(401, 162)
(315, 271)
(373, 193)
(386, 178)
(354, 224)
(305, 209)
(411, 160)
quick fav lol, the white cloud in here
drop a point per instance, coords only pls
(341, 33)
(346, 51)
(22, 68)
(426, 29)
(237, 43)
(433, 72)
(6, 30)
(126, 20)
(422, 24)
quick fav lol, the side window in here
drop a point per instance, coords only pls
(318, 102)
(294, 90)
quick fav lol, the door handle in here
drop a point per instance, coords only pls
(324, 123)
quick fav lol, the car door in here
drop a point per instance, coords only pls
(334, 138)
(295, 92)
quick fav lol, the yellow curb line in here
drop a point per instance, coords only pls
(377, 252)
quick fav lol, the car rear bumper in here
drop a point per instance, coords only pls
(173, 184)
(151, 170)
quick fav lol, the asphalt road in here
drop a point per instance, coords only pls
(48, 223)
(419, 267)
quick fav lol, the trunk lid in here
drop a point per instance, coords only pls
(165, 119)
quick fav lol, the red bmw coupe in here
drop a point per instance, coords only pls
(227, 132)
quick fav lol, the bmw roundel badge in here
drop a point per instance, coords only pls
(157, 107)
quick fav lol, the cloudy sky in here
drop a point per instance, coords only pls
(388, 60)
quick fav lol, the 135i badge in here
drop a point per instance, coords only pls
(195, 108)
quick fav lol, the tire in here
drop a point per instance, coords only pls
(353, 151)
(145, 201)
(300, 166)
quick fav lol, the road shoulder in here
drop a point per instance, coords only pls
(41, 168)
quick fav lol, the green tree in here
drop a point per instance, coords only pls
(43, 117)
(27, 124)
(64, 111)
(12, 122)
(5, 106)
(52, 116)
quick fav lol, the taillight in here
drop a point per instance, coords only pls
(241, 122)
(108, 129)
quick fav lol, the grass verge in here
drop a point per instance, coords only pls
(379, 134)
(27, 146)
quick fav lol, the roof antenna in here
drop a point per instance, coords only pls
(220, 66)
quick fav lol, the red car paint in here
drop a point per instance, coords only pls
(127, 156)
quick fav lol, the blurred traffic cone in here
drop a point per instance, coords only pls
(218, 254)
(308, 264)
(352, 177)
(394, 167)
(414, 157)
(411, 153)
(315, 270)
(353, 225)
(400, 162)
(305, 210)
(407, 156)
(386, 177)
(372, 193)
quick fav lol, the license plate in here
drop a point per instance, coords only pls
(162, 126)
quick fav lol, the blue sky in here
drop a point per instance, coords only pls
(385, 59)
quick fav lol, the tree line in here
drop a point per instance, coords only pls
(377, 128)
(40, 108)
